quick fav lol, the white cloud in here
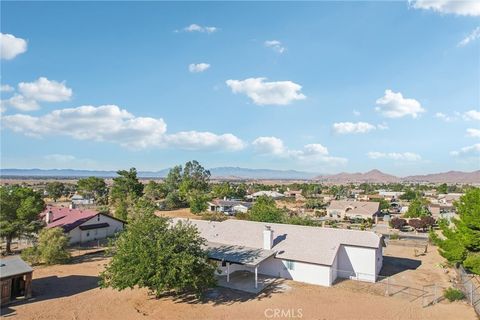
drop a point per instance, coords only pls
(351, 127)
(6, 88)
(382, 126)
(442, 116)
(109, 123)
(458, 7)
(275, 45)
(45, 90)
(475, 34)
(314, 152)
(10, 46)
(472, 151)
(194, 140)
(267, 93)
(394, 105)
(356, 113)
(472, 115)
(56, 157)
(198, 28)
(405, 156)
(269, 145)
(198, 67)
(21, 103)
(473, 133)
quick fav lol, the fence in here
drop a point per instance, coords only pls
(391, 286)
(470, 285)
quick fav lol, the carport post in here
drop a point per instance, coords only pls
(228, 271)
(256, 276)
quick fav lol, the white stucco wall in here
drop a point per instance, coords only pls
(357, 263)
(303, 272)
(76, 235)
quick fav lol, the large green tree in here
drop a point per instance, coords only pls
(55, 190)
(461, 243)
(51, 248)
(417, 209)
(265, 210)
(93, 187)
(20, 208)
(163, 257)
(125, 191)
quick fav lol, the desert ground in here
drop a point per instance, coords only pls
(71, 292)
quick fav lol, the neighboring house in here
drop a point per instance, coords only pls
(79, 200)
(15, 279)
(307, 254)
(390, 195)
(82, 225)
(353, 209)
(297, 194)
(449, 198)
(228, 206)
(271, 194)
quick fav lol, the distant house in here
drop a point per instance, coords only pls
(307, 254)
(15, 279)
(353, 209)
(82, 225)
(228, 206)
(297, 194)
(449, 198)
(390, 195)
(271, 194)
(79, 200)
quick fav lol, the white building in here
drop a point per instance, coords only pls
(82, 225)
(270, 194)
(353, 209)
(307, 254)
(228, 206)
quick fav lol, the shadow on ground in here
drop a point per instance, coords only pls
(395, 265)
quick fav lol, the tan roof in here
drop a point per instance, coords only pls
(292, 242)
(357, 207)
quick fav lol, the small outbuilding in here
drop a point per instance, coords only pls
(16, 279)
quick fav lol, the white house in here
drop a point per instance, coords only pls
(307, 254)
(271, 194)
(228, 206)
(82, 225)
(353, 209)
(78, 199)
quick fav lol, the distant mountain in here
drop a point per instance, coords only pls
(373, 176)
(217, 173)
(447, 177)
(236, 173)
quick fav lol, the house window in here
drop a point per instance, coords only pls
(98, 217)
(290, 265)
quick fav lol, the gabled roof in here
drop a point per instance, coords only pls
(13, 266)
(69, 219)
(292, 242)
(230, 203)
(356, 207)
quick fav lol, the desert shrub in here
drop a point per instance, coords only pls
(214, 216)
(52, 245)
(394, 236)
(453, 294)
(31, 255)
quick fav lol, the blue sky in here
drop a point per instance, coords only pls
(323, 86)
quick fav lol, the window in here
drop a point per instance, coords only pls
(98, 217)
(290, 264)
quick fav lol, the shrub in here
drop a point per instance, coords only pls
(394, 236)
(453, 294)
(397, 223)
(52, 245)
(31, 255)
(214, 216)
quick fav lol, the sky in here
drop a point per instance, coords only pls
(323, 87)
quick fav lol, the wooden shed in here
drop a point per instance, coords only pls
(15, 279)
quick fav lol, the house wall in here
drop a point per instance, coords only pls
(76, 235)
(357, 263)
(302, 271)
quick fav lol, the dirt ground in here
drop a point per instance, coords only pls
(179, 213)
(71, 292)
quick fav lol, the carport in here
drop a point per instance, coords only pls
(240, 260)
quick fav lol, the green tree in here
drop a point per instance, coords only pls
(461, 243)
(409, 195)
(93, 187)
(443, 188)
(52, 245)
(55, 190)
(264, 210)
(154, 254)
(417, 209)
(126, 189)
(20, 208)
(198, 202)
(195, 178)
(154, 191)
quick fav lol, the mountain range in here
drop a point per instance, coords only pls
(236, 173)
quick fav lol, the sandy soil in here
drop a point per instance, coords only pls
(71, 292)
(179, 213)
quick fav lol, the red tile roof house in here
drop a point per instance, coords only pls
(82, 225)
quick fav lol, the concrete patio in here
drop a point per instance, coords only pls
(245, 281)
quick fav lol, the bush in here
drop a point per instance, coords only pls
(394, 236)
(214, 216)
(397, 223)
(31, 255)
(52, 245)
(453, 294)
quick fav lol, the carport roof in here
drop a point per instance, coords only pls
(237, 254)
(13, 266)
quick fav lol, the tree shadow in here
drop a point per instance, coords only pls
(395, 265)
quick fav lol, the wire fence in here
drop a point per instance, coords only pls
(470, 286)
(391, 286)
